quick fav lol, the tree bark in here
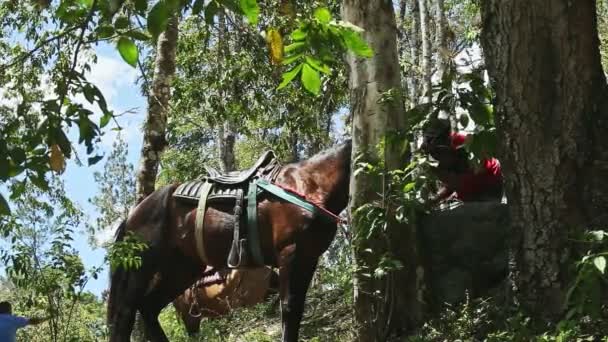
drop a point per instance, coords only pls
(552, 117)
(425, 62)
(226, 132)
(380, 306)
(440, 39)
(227, 139)
(158, 106)
(414, 73)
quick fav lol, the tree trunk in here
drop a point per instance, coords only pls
(226, 141)
(414, 73)
(226, 132)
(380, 306)
(158, 105)
(425, 62)
(440, 39)
(552, 118)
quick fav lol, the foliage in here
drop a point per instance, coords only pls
(45, 275)
(585, 295)
(491, 321)
(116, 192)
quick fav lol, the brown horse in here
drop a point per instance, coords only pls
(291, 239)
(237, 288)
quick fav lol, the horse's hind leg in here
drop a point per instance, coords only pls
(295, 274)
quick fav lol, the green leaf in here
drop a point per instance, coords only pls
(128, 50)
(251, 10)
(298, 34)
(356, 44)
(141, 6)
(600, 263)
(294, 46)
(197, 7)
(289, 76)
(86, 3)
(105, 31)
(292, 59)
(121, 22)
(94, 160)
(5, 209)
(318, 65)
(158, 18)
(311, 79)
(323, 15)
(105, 119)
(210, 12)
(138, 35)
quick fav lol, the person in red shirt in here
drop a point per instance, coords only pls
(459, 178)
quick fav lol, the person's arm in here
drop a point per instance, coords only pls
(37, 320)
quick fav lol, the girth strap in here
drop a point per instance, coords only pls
(252, 223)
(289, 197)
(200, 218)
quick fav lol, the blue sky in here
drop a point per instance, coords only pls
(116, 80)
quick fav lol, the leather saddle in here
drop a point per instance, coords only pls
(240, 177)
(231, 187)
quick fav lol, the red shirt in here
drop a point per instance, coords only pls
(474, 182)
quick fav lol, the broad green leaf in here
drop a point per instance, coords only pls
(600, 263)
(294, 46)
(317, 64)
(409, 186)
(105, 119)
(86, 3)
(128, 50)
(298, 34)
(5, 209)
(275, 43)
(292, 58)
(158, 18)
(289, 76)
(311, 79)
(323, 15)
(251, 10)
(94, 160)
(197, 7)
(356, 44)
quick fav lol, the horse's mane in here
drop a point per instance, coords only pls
(330, 153)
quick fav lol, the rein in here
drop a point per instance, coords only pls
(299, 199)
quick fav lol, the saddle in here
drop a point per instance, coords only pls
(231, 187)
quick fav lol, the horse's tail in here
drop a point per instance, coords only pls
(117, 277)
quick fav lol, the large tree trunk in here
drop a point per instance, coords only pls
(158, 105)
(552, 119)
(380, 304)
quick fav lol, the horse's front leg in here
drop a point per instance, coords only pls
(295, 274)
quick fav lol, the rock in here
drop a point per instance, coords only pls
(466, 249)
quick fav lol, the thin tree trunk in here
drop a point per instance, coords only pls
(414, 72)
(552, 118)
(441, 42)
(380, 305)
(227, 139)
(425, 63)
(226, 132)
(158, 105)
